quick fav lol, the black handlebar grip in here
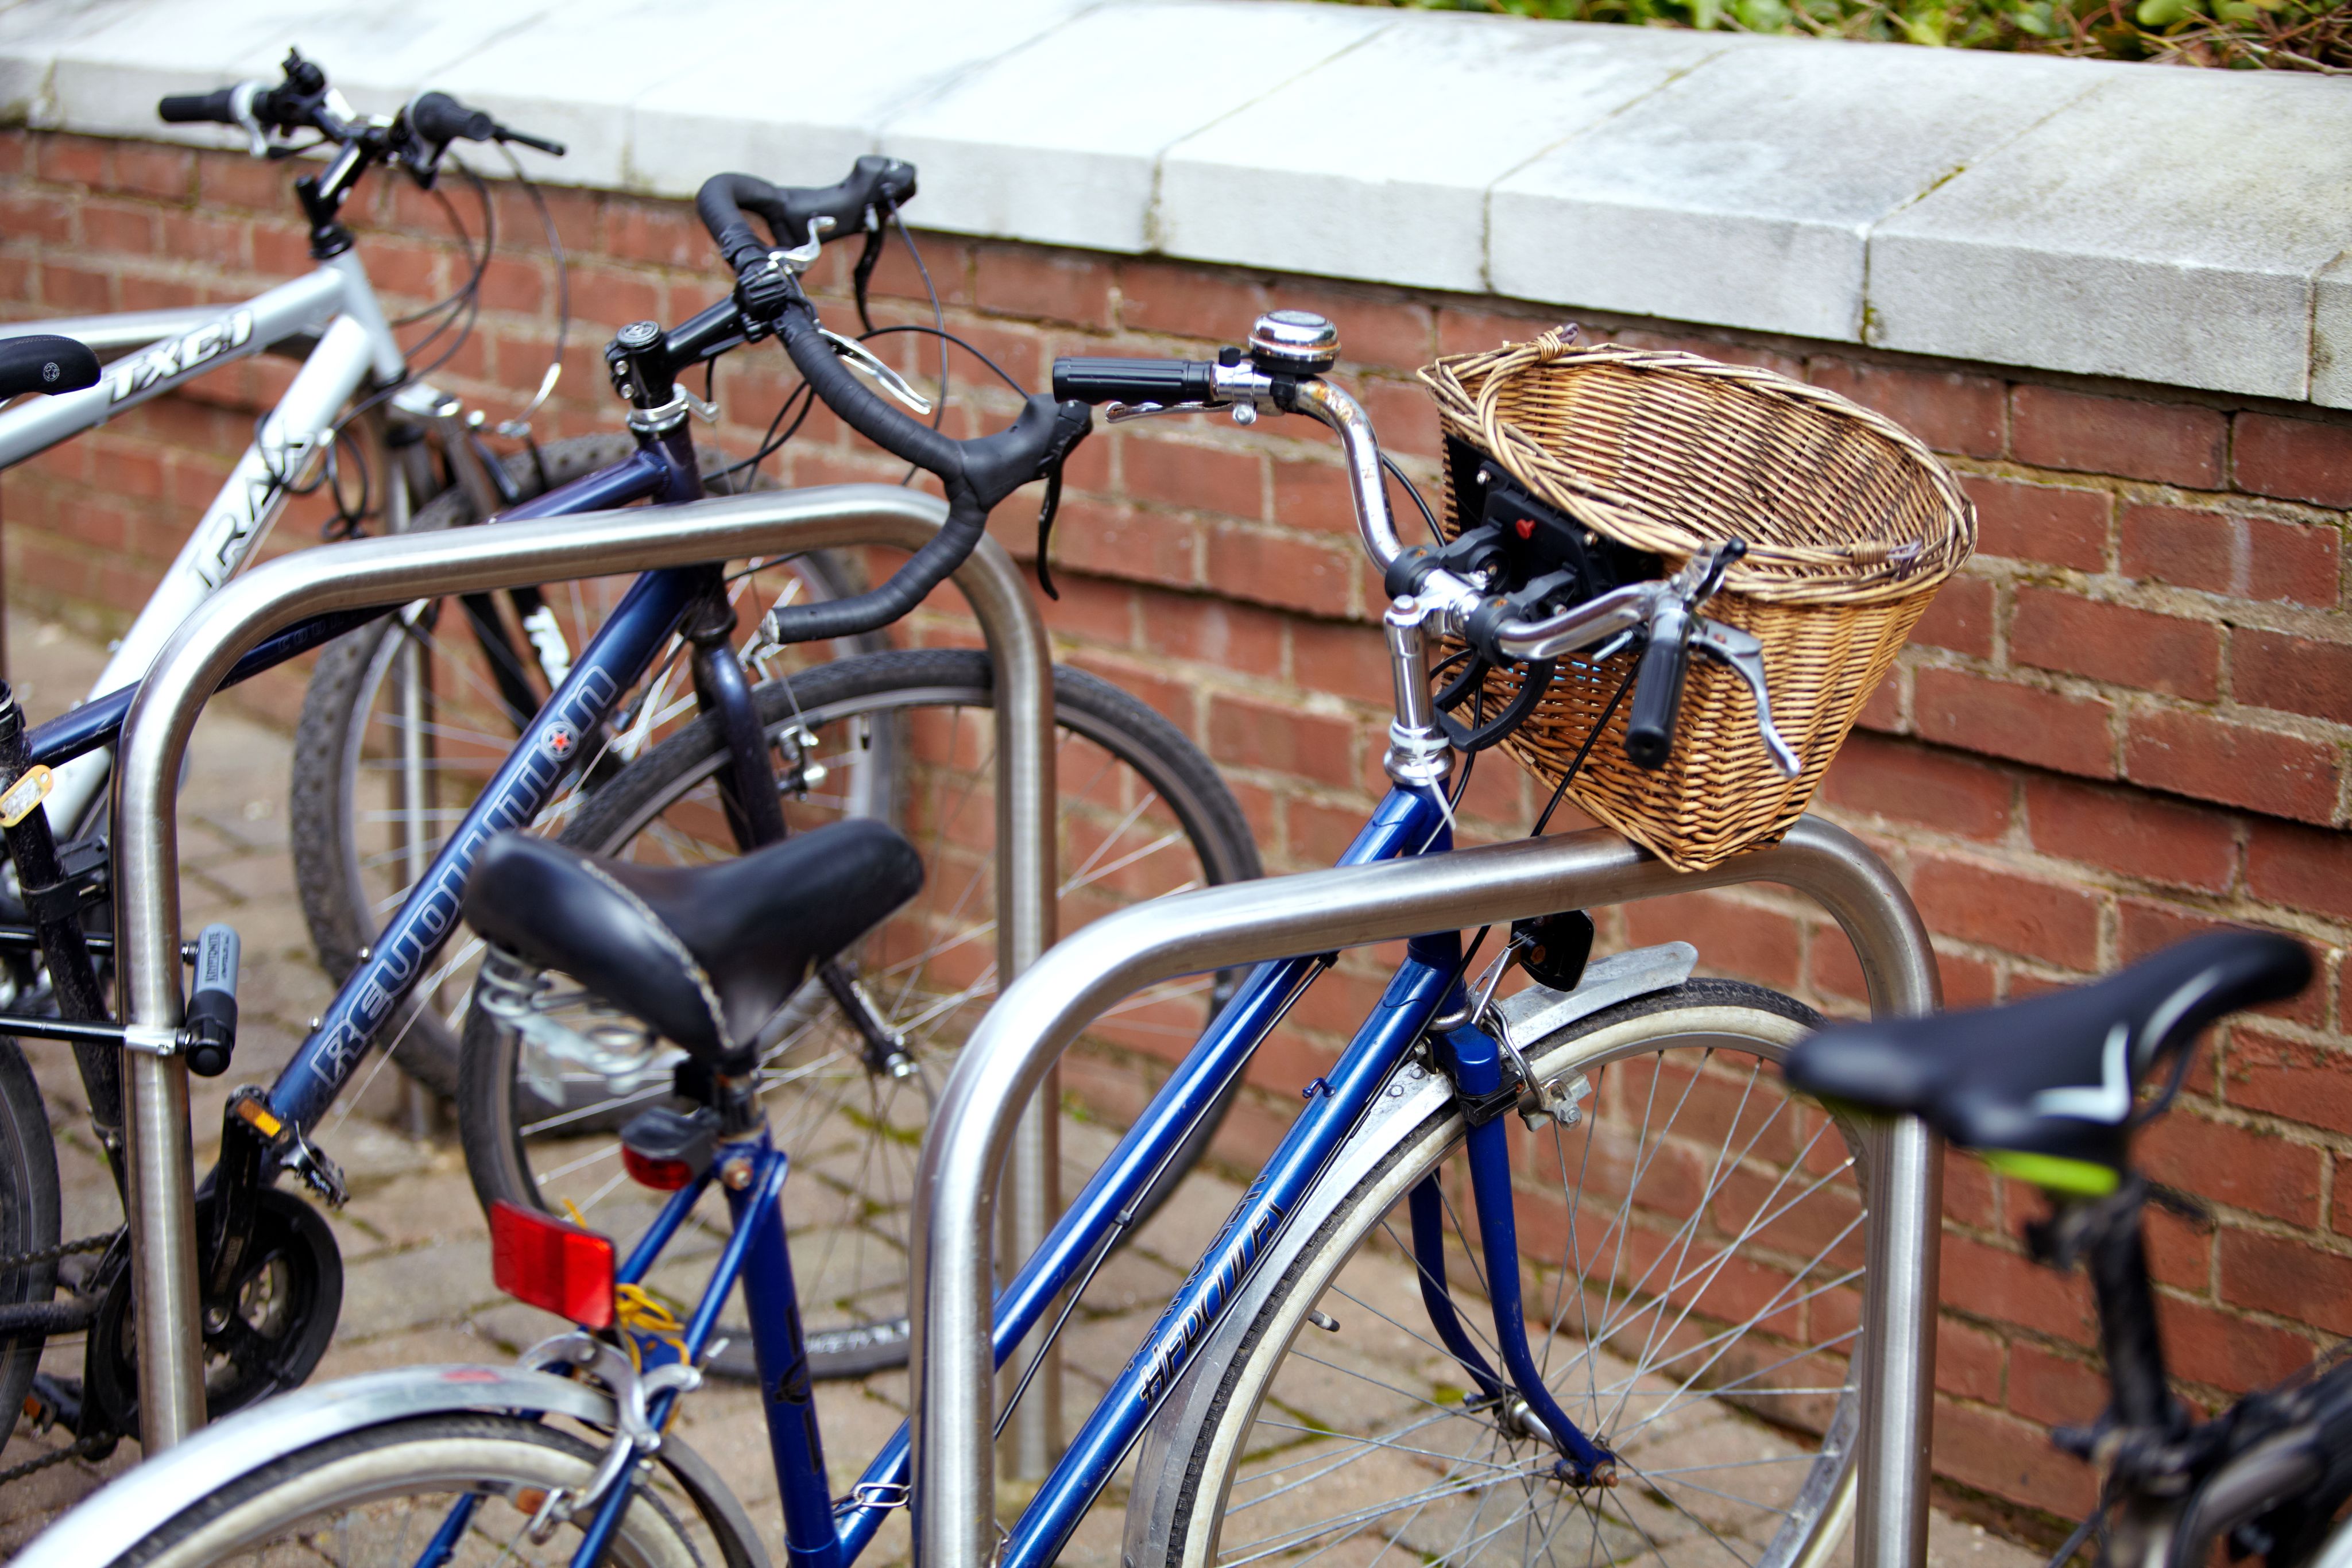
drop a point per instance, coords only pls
(440, 118)
(197, 107)
(1658, 690)
(873, 180)
(1163, 382)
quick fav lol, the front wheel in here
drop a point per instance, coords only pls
(381, 1495)
(1692, 1249)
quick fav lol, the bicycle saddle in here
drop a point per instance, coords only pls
(705, 954)
(45, 363)
(2047, 1084)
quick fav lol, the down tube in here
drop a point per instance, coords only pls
(622, 650)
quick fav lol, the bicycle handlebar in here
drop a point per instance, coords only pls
(301, 101)
(977, 474)
(197, 107)
(875, 185)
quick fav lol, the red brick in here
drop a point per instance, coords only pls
(1210, 631)
(2249, 558)
(2053, 630)
(2298, 459)
(2173, 443)
(607, 296)
(77, 288)
(2124, 831)
(2022, 722)
(2207, 1345)
(73, 160)
(658, 234)
(1250, 733)
(2052, 1389)
(2290, 1278)
(2008, 1287)
(1733, 938)
(2294, 1079)
(1967, 1361)
(1342, 658)
(36, 214)
(1403, 414)
(1117, 541)
(2233, 1166)
(2179, 1251)
(2293, 675)
(1949, 410)
(1308, 577)
(1959, 618)
(2040, 522)
(896, 277)
(1465, 332)
(1205, 478)
(1316, 496)
(2000, 1454)
(1187, 301)
(1914, 783)
(2049, 921)
(169, 173)
(2301, 868)
(1968, 1191)
(1054, 286)
(2236, 764)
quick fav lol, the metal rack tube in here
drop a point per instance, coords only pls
(1034, 1018)
(393, 570)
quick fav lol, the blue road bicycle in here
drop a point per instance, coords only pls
(268, 1273)
(1554, 1274)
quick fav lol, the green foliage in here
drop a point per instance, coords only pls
(2288, 34)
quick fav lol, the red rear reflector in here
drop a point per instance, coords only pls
(661, 1175)
(547, 1262)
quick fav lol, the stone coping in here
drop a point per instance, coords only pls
(2184, 227)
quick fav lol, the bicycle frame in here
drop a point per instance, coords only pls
(334, 300)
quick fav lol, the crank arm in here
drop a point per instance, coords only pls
(1745, 655)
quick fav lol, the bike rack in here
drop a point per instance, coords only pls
(367, 573)
(1036, 1017)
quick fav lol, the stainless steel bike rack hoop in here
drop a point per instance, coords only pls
(393, 570)
(1034, 1018)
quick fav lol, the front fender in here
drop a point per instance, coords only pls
(120, 1515)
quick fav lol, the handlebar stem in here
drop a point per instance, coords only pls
(1419, 756)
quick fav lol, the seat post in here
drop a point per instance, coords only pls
(2118, 1254)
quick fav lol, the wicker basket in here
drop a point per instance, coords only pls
(1851, 525)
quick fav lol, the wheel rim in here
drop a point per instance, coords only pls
(1706, 1340)
(852, 1128)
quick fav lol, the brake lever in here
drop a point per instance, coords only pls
(1744, 655)
(861, 358)
(1120, 413)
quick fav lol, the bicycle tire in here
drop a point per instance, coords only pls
(494, 1107)
(29, 1221)
(1257, 1420)
(332, 737)
(509, 1462)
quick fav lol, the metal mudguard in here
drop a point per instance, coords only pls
(120, 1515)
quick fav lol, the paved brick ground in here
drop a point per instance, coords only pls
(417, 1287)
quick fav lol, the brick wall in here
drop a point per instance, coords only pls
(2125, 723)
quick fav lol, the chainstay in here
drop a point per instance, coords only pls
(62, 1250)
(80, 1448)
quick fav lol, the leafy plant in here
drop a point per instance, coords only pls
(2279, 35)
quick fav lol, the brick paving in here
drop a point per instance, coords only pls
(416, 1285)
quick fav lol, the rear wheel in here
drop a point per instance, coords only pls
(406, 719)
(1692, 1267)
(1140, 813)
(28, 1222)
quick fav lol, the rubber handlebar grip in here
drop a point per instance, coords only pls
(1658, 694)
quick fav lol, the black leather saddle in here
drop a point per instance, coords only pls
(45, 363)
(705, 954)
(2053, 1076)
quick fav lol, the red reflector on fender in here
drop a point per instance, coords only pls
(661, 1175)
(547, 1262)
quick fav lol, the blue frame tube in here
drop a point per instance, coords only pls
(620, 652)
(1401, 825)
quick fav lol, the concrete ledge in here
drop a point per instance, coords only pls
(2189, 228)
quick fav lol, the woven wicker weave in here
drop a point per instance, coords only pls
(1851, 525)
